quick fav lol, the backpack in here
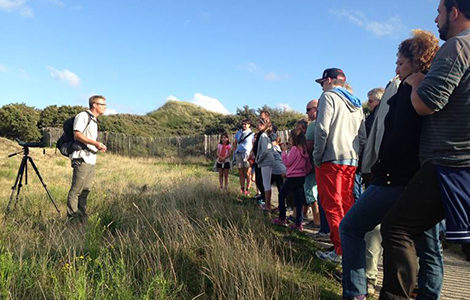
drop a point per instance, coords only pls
(66, 143)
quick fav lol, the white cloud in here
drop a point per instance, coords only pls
(3, 68)
(65, 75)
(58, 3)
(272, 76)
(250, 67)
(209, 103)
(284, 106)
(110, 111)
(172, 98)
(19, 6)
(389, 27)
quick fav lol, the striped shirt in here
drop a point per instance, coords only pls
(445, 136)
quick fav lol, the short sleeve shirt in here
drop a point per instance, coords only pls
(310, 134)
(90, 131)
(247, 144)
(445, 136)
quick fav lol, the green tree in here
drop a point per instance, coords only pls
(53, 116)
(19, 121)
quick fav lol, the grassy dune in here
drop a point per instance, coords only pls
(157, 230)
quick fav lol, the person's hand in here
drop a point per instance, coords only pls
(415, 79)
(101, 147)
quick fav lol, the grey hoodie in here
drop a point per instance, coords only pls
(264, 157)
(340, 131)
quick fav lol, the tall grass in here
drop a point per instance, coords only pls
(157, 230)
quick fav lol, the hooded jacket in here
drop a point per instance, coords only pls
(340, 131)
(296, 162)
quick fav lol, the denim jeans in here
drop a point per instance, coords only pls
(324, 228)
(367, 213)
(357, 189)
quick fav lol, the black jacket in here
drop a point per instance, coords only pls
(398, 157)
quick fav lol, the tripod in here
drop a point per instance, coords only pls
(23, 173)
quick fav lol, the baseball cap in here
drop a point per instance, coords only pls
(333, 73)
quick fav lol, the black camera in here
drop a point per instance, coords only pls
(31, 144)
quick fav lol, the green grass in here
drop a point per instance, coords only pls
(157, 230)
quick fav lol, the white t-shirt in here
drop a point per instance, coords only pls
(90, 131)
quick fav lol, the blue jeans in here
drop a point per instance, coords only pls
(367, 213)
(357, 189)
(324, 228)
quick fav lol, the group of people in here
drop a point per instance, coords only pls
(411, 155)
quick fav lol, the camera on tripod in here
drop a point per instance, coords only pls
(22, 175)
(31, 144)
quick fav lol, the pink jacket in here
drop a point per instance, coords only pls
(296, 162)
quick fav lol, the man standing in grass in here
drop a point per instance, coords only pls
(85, 131)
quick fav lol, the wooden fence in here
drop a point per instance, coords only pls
(129, 145)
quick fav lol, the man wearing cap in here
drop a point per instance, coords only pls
(339, 136)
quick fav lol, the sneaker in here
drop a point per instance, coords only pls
(279, 221)
(312, 224)
(298, 227)
(242, 192)
(330, 256)
(322, 237)
(247, 193)
(265, 208)
(291, 219)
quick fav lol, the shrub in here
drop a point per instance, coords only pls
(19, 121)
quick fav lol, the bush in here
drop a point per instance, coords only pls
(53, 116)
(19, 121)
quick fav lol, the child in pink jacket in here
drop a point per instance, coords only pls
(298, 166)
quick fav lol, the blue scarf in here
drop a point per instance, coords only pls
(353, 99)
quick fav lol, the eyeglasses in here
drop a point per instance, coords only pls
(101, 104)
(310, 108)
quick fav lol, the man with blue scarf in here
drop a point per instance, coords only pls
(339, 136)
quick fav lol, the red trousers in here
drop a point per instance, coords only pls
(335, 190)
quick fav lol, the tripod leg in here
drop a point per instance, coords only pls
(43, 184)
(17, 186)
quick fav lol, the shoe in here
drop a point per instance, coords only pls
(330, 256)
(291, 219)
(298, 227)
(279, 221)
(265, 208)
(242, 192)
(321, 237)
(247, 193)
(312, 224)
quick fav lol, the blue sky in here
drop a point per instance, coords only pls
(215, 53)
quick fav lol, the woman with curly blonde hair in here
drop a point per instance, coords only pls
(397, 163)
